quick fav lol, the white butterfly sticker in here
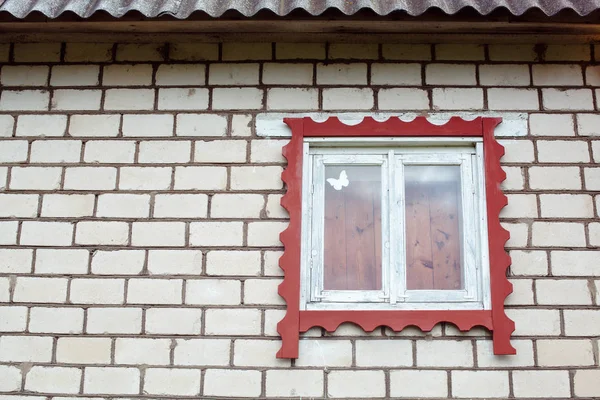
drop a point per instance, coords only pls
(341, 182)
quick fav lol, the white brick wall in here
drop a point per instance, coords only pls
(140, 220)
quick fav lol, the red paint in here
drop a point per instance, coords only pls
(296, 321)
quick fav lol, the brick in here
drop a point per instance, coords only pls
(320, 353)
(142, 125)
(40, 290)
(55, 320)
(554, 178)
(194, 51)
(418, 383)
(403, 99)
(11, 378)
(553, 206)
(7, 123)
(127, 75)
(134, 351)
(174, 321)
(271, 263)
(353, 51)
(237, 99)
(76, 99)
(356, 383)
(97, 291)
(8, 232)
(520, 206)
(179, 382)
(450, 74)
(90, 178)
(236, 205)
(175, 262)
(575, 263)
(158, 234)
(111, 380)
(374, 353)
(18, 205)
(272, 318)
(522, 292)
(592, 75)
(88, 52)
(287, 74)
(247, 51)
(36, 178)
(180, 75)
(183, 99)
(594, 233)
(557, 353)
(541, 384)
(220, 151)
(239, 322)
(54, 151)
(3, 178)
(518, 234)
(563, 151)
(94, 125)
(462, 52)
(117, 262)
(347, 98)
(292, 99)
(444, 353)
(551, 125)
(587, 124)
(53, 380)
(480, 384)
(164, 152)
(24, 75)
(557, 75)
(146, 178)
(14, 151)
(46, 233)
(299, 51)
(233, 74)
(200, 178)
(37, 52)
(582, 322)
(25, 349)
(531, 322)
(342, 74)
(140, 52)
(202, 352)
(247, 383)
(15, 261)
(233, 263)
(274, 208)
(561, 234)
(83, 350)
(102, 233)
(258, 353)
(567, 52)
(396, 74)
(567, 99)
(114, 320)
(123, 205)
(416, 52)
(265, 233)
(563, 292)
(592, 178)
(269, 150)
(504, 75)
(129, 99)
(486, 357)
(154, 291)
(294, 382)
(213, 292)
(67, 205)
(74, 75)
(201, 125)
(517, 151)
(253, 177)
(586, 383)
(262, 292)
(5, 289)
(13, 318)
(455, 99)
(528, 262)
(4, 54)
(24, 100)
(513, 99)
(180, 206)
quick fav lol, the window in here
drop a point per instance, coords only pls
(394, 223)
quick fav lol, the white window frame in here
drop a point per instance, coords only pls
(393, 154)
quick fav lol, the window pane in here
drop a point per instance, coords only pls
(433, 227)
(352, 259)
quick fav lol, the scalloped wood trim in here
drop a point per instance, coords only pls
(296, 321)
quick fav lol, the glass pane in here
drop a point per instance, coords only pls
(352, 259)
(433, 227)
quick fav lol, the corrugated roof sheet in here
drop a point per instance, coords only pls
(215, 8)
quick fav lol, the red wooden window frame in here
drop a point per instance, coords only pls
(296, 321)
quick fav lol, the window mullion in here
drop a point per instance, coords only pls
(398, 229)
(318, 240)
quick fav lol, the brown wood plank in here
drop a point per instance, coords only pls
(419, 263)
(445, 236)
(334, 261)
